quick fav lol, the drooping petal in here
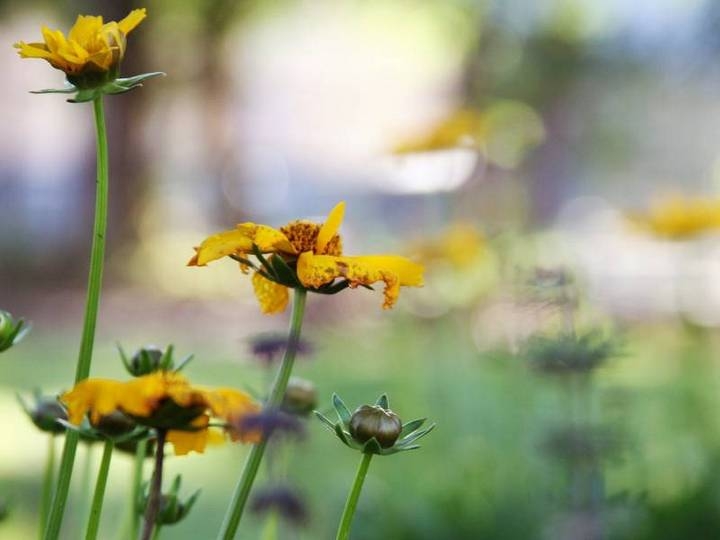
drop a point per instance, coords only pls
(330, 227)
(272, 296)
(317, 270)
(240, 241)
(188, 441)
(99, 397)
(227, 402)
(133, 18)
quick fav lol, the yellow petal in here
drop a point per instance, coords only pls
(99, 397)
(228, 402)
(317, 270)
(85, 28)
(134, 18)
(185, 442)
(330, 227)
(33, 50)
(272, 296)
(240, 241)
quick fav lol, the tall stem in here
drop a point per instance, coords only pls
(46, 497)
(140, 455)
(343, 532)
(242, 489)
(153, 505)
(99, 495)
(91, 308)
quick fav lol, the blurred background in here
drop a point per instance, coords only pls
(507, 145)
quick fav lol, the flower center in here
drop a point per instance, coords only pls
(303, 237)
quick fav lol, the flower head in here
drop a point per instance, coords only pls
(305, 255)
(90, 56)
(91, 46)
(163, 400)
(374, 429)
(679, 218)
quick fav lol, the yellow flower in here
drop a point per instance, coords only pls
(308, 255)
(463, 128)
(461, 245)
(91, 50)
(163, 400)
(679, 218)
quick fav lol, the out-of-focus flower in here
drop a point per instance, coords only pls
(90, 47)
(461, 245)
(461, 128)
(172, 509)
(306, 255)
(679, 218)
(300, 397)
(282, 499)
(11, 331)
(90, 55)
(164, 400)
(374, 429)
(504, 132)
(569, 353)
(269, 346)
(270, 421)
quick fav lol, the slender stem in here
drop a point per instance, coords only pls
(99, 495)
(140, 454)
(352, 500)
(91, 308)
(46, 497)
(153, 506)
(242, 489)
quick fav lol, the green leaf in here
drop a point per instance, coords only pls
(383, 402)
(184, 362)
(411, 426)
(246, 262)
(342, 435)
(133, 82)
(342, 411)
(417, 435)
(70, 89)
(372, 447)
(264, 262)
(332, 288)
(284, 272)
(324, 420)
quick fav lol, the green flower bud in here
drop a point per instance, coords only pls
(300, 397)
(150, 358)
(11, 331)
(370, 421)
(172, 508)
(45, 413)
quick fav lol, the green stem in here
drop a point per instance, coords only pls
(91, 308)
(155, 495)
(242, 489)
(352, 500)
(140, 455)
(46, 497)
(99, 495)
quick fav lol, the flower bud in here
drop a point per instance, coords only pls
(46, 413)
(300, 397)
(370, 421)
(145, 361)
(11, 330)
